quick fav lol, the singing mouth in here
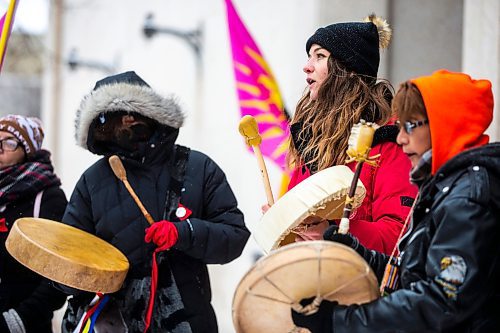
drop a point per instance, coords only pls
(410, 155)
(310, 81)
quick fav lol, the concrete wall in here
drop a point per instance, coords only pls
(20, 95)
(427, 36)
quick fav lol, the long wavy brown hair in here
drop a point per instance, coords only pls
(343, 99)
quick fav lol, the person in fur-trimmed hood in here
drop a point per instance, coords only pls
(198, 221)
(446, 276)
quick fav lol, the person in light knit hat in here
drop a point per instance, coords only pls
(28, 188)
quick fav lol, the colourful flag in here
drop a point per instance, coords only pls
(258, 91)
(5, 27)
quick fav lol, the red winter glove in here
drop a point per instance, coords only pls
(163, 233)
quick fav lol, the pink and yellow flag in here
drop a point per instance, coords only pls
(6, 23)
(258, 91)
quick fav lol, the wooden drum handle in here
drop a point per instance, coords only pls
(120, 173)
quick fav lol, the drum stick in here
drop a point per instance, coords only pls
(344, 221)
(248, 128)
(120, 173)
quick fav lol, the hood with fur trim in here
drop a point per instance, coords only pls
(459, 109)
(125, 92)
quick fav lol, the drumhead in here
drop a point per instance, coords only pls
(262, 301)
(67, 255)
(323, 194)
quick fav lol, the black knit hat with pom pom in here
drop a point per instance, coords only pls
(354, 44)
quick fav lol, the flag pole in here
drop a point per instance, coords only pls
(6, 30)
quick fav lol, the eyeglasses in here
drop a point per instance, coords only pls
(410, 125)
(9, 144)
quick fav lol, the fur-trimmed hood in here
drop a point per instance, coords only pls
(125, 92)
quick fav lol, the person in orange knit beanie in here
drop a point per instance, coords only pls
(448, 267)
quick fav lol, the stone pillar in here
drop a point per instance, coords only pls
(427, 37)
(481, 48)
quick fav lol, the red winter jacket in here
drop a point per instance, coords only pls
(389, 196)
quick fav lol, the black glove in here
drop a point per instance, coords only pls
(70, 291)
(320, 321)
(332, 234)
(376, 260)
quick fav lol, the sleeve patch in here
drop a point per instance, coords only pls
(452, 275)
(407, 201)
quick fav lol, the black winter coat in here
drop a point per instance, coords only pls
(101, 205)
(450, 262)
(31, 295)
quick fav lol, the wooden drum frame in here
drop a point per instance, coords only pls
(67, 255)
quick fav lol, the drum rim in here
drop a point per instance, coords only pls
(269, 235)
(81, 272)
(319, 245)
